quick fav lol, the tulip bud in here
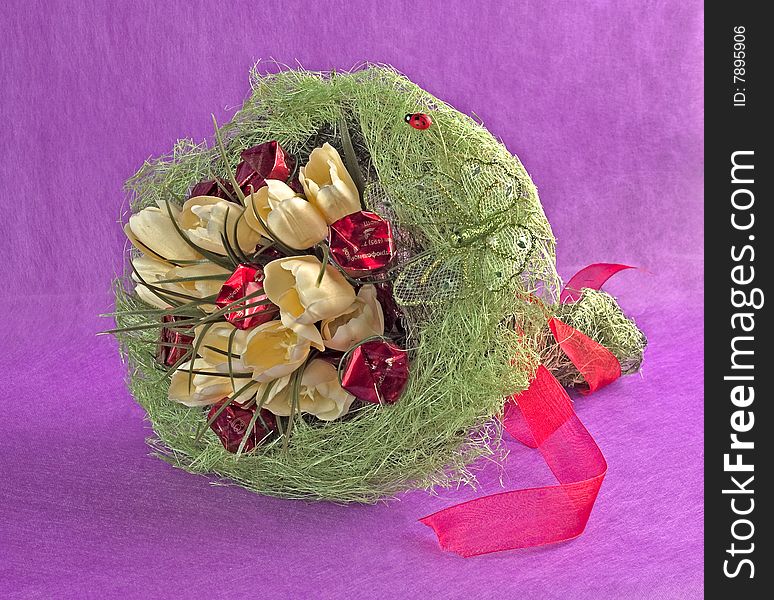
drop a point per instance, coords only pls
(258, 204)
(206, 219)
(199, 281)
(296, 223)
(273, 351)
(219, 340)
(152, 231)
(208, 384)
(294, 284)
(319, 393)
(362, 320)
(328, 185)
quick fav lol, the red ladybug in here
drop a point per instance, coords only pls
(419, 121)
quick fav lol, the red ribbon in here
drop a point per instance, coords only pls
(535, 516)
(542, 417)
(596, 363)
(594, 277)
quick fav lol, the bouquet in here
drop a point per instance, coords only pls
(348, 292)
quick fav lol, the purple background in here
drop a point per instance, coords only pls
(601, 99)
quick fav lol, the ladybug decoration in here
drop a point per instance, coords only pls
(419, 121)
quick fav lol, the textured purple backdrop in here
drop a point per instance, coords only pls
(602, 100)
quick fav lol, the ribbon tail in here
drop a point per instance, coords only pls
(594, 276)
(535, 516)
(516, 425)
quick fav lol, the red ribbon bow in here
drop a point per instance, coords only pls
(542, 417)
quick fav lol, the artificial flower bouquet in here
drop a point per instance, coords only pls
(338, 298)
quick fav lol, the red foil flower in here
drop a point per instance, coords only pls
(259, 163)
(209, 187)
(232, 423)
(262, 162)
(362, 243)
(170, 349)
(245, 281)
(376, 372)
(269, 255)
(390, 310)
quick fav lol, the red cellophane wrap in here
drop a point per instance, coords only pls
(262, 162)
(172, 343)
(259, 163)
(594, 277)
(233, 421)
(376, 372)
(362, 243)
(390, 310)
(246, 280)
(536, 516)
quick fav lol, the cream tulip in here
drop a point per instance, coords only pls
(147, 296)
(297, 224)
(273, 351)
(205, 219)
(215, 342)
(328, 185)
(291, 283)
(319, 394)
(290, 218)
(211, 384)
(151, 271)
(268, 390)
(258, 204)
(362, 320)
(153, 232)
(159, 273)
